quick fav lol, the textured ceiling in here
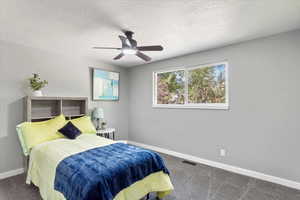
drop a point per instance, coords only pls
(72, 27)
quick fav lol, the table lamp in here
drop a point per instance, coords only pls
(98, 114)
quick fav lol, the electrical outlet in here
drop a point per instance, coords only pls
(222, 152)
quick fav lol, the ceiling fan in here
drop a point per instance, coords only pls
(129, 46)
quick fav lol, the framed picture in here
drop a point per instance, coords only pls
(105, 85)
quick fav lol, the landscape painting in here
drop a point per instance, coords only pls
(105, 85)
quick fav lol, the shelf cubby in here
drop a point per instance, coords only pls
(44, 108)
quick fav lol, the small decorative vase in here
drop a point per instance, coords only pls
(37, 93)
(103, 126)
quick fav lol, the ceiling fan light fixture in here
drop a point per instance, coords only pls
(129, 51)
(130, 47)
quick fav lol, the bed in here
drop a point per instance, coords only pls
(92, 167)
(45, 157)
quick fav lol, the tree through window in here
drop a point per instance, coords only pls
(203, 86)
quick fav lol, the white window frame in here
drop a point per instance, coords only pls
(221, 106)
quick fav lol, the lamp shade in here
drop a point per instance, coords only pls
(98, 113)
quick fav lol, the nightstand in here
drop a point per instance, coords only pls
(107, 132)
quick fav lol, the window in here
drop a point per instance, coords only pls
(204, 86)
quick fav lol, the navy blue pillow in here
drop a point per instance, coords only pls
(70, 131)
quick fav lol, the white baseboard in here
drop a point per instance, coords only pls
(11, 173)
(238, 170)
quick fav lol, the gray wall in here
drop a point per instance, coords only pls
(261, 129)
(67, 77)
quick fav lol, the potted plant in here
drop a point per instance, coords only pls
(36, 84)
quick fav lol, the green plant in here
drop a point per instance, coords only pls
(36, 83)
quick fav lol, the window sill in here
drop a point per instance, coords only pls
(191, 106)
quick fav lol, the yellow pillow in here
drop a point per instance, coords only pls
(84, 124)
(35, 133)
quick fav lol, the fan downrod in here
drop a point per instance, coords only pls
(129, 34)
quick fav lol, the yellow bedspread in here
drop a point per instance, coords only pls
(45, 157)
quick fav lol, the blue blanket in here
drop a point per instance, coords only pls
(101, 173)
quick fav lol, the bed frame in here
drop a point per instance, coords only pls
(44, 108)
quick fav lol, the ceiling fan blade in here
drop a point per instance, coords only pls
(150, 48)
(119, 56)
(106, 48)
(143, 56)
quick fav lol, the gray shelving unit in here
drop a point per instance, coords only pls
(44, 108)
